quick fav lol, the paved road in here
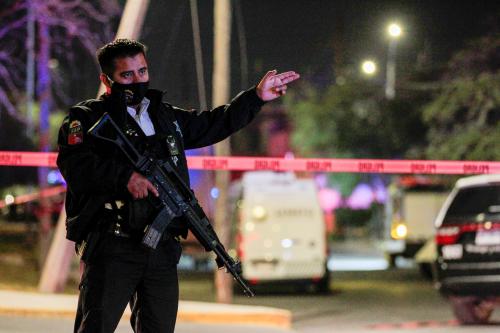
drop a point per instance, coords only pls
(384, 301)
(391, 300)
(361, 301)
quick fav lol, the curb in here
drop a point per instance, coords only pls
(60, 305)
(215, 313)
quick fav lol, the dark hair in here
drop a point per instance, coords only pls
(119, 48)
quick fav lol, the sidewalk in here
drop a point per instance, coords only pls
(37, 304)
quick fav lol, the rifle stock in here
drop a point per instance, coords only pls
(176, 199)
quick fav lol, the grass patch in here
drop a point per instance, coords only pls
(18, 263)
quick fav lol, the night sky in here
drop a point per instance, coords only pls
(313, 37)
(308, 36)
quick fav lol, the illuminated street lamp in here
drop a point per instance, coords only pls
(394, 31)
(369, 67)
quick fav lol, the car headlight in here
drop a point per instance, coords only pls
(399, 231)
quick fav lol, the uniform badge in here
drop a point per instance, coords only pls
(75, 136)
(172, 145)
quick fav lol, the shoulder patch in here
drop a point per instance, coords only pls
(75, 135)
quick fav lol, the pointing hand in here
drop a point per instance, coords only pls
(273, 85)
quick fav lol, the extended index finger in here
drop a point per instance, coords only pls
(287, 77)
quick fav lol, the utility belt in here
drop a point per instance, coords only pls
(118, 214)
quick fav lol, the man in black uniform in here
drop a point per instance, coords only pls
(107, 201)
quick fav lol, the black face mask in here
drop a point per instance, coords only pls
(133, 92)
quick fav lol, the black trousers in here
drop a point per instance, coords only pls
(122, 271)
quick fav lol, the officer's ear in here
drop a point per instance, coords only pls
(105, 80)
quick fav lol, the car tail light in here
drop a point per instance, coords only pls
(254, 281)
(447, 235)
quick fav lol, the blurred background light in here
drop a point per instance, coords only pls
(361, 198)
(369, 67)
(9, 199)
(214, 192)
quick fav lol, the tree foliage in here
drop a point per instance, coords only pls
(464, 115)
(352, 119)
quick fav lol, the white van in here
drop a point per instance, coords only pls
(281, 232)
(411, 210)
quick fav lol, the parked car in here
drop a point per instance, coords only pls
(468, 246)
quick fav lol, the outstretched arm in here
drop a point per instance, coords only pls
(201, 129)
(273, 85)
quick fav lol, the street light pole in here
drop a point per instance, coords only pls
(221, 80)
(394, 31)
(390, 80)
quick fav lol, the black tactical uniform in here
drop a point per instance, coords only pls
(120, 269)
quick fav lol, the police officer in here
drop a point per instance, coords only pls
(107, 201)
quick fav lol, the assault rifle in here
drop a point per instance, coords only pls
(175, 199)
